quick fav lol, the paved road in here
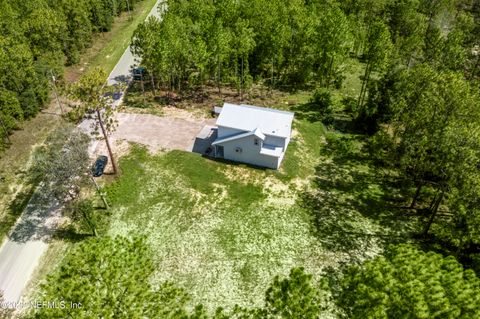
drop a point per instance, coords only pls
(122, 71)
(20, 254)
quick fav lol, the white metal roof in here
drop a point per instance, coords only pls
(249, 118)
(256, 132)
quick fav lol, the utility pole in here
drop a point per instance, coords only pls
(128, 9)
(55, 92)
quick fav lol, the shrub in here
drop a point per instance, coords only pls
(321, 102)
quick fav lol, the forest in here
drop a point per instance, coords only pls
(39, 38)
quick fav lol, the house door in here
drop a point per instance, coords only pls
(219, 151)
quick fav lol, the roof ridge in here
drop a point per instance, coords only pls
(249, 118)
(262, 108)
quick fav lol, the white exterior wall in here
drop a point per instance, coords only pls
(226, 132)
(250, 153)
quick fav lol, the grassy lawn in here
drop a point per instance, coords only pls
(108, 47)
(223, 231)
(356, 207)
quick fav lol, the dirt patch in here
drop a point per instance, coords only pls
(199, 103)
(185, 114)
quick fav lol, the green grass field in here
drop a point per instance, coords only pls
(223, 231)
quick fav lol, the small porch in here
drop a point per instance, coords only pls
(203, 141)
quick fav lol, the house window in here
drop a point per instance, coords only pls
(255, 141)
(238, 149)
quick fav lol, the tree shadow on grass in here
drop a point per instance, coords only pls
(307, 112)
(15, 209)
(339, 121)
(355, 209)
(70, 235)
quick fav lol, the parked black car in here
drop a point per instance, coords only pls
(139, 73)
(99, 166)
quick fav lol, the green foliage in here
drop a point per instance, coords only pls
(61, 163)
(110, 278)
(408, 26)
(83, 214)
(441, 99)
(294, 297)
(377, 55)
(230, 42)
(408, 283)
(333, 40)
(322, 103)
(5, 312)
(94, 97)
(377, 108)
(39, 37)
(10, 110)
(433, 141)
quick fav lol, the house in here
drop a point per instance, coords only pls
(253, 135)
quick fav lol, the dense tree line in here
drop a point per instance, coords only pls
(291, 44)
(422, 111)
(110, 277)
(280, 43)
(38, 38)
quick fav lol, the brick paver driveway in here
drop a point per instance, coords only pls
(153, 131)
(159, 132)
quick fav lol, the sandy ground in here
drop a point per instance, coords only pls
(159, 132)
